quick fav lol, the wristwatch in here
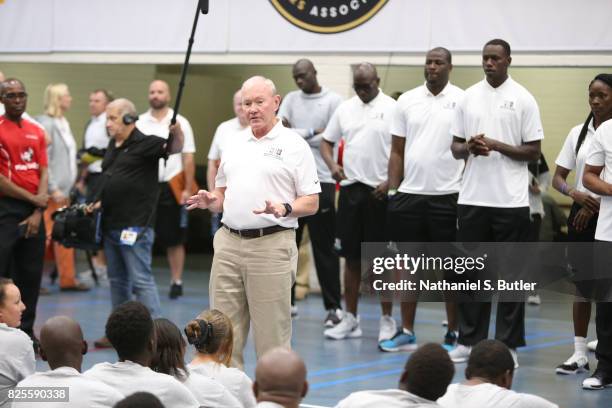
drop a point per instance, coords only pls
(391, 192)
(288, 209)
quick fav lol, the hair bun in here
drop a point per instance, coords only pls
(198, 332)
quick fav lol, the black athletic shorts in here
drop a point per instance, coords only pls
(360, 218)
(168, 231)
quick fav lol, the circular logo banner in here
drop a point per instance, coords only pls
(328, 16)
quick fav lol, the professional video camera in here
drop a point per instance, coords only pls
(78, 227)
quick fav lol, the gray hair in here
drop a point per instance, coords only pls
(258, 78)
(125, 106)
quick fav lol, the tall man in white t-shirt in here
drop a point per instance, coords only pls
(424, 178)
(600, 161)
(266, 181)
(62, 347)
(497, 130)
(308, 111)
(221, 141)
(171, 216)
(365, 123)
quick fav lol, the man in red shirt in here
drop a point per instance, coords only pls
(23, 197)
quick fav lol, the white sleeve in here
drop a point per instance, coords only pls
(285, 109)
(458, 124)
(333, 131)
(305, 174)
(180, 396)
(531, 126)
(215, 153)
(567, 155)
(188, 142)
(398, 121)
(596, 155)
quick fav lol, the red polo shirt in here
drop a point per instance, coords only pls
(23, 151)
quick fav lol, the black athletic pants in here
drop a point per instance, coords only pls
(321, 227)
(490, 224)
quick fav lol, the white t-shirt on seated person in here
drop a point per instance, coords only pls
(366, 129)
(209, 392)
(278, 167)
(393, 398)
(236, 381)
(16, 359)
(82, 391)
(509, 114)
(128, 378)
(489, 396)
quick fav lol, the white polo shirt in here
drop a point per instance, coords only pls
(223, 137)
(128, 377)
(489, 395)
(150, 126)
(16, 359)
(424, 120)
(567, 156)
(236, 381)
(366, 128)
(96, 136)
(510, 114)
(392, 398)
(600, 154)
(278, 167)
(82, 391)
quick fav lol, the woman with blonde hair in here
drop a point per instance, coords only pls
(62, 156)
(212, 335)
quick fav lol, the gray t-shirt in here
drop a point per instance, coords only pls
(308, 112)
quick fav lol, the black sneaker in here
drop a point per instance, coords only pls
(334, 316)
(598, 381)
(176, 290)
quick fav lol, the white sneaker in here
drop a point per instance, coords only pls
(460, 354)
(592, 345)
(577, 363)
(348, 327)
(294, 311)
(515, 358)
(388, 328)
(534, 300)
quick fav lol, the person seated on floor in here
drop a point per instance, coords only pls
(16, 349)
(489, 373)
(212, 335)
(280, 379)
(62, 347)
(130, 330)
(426, 375)
(170, 359)
(140, 400)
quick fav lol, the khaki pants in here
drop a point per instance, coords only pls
(251, 282)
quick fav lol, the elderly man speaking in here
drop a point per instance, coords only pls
(266, 180)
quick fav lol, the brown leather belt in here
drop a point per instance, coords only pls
(256, 232)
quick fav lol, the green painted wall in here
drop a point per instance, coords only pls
(560, 92)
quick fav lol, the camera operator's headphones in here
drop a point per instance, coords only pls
(129, 119)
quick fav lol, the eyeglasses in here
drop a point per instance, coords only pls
(15, 95)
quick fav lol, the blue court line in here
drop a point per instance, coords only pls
(326, 384)
(322, 372)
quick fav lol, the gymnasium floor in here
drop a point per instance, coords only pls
(337, 368)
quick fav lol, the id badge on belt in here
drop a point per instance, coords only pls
(129, 236)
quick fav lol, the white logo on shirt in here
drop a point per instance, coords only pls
(27, 155)
(274, 152)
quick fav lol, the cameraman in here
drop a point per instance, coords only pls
(129, 196)
(23, 197)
